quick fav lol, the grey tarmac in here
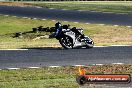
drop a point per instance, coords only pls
(40, 57)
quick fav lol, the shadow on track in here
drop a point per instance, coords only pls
(116, 48)
(53, 48)
(45, 48)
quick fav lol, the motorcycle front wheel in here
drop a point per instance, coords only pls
(66, 42)
(89, 42)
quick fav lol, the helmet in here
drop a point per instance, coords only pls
(57, 25)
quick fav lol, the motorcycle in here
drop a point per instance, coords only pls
(72, 38)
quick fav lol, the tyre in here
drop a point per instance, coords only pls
(81, 80)
(66, 42)
(89, 42)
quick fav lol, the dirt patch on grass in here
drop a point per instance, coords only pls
(113, 35)
(15, 4)
(109, 69)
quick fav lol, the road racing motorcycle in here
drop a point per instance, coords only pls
(72, 37)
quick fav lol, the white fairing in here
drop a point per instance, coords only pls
(76, 42)
(70, 33)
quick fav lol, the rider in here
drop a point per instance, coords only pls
(58, 28)
(77, 33)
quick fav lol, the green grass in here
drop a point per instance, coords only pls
(61, 77)
(11, 25)
(38, 78)
(103, 6)
(102, 35)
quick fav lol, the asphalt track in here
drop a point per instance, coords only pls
(68, 15)
(40, 57)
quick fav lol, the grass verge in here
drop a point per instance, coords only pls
(60, 77)
(101, 34)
